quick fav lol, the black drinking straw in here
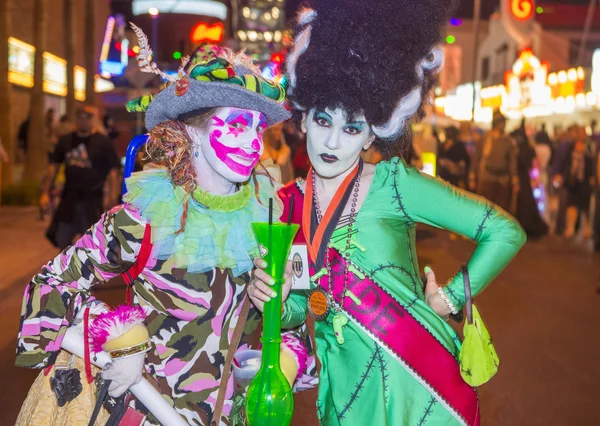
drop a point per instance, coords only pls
(289, 222)
(270, 211)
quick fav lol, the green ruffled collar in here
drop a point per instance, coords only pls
(224, 203)
(217, 231)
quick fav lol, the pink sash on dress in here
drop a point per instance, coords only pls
(383, 318)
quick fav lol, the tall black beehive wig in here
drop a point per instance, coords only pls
(376, 57)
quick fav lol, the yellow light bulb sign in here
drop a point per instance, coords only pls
(522, 9)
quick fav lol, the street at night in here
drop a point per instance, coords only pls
(278, 212)
(543, 313)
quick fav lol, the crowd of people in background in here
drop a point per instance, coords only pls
(547, 182)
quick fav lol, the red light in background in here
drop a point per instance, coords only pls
(118, 45)
(277, 58)
(203, 32)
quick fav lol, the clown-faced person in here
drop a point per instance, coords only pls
(388, 355)
(182, 241)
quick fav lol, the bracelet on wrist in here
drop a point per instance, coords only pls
(131, 350)
(446, 300)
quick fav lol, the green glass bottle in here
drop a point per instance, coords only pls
(269, 401)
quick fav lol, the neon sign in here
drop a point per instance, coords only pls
(203, 33)
(522, 9)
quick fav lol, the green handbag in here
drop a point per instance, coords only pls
(478, 358)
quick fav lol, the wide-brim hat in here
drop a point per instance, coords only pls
(167, 105)
(213, 77)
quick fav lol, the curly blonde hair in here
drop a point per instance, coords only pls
(170, 145)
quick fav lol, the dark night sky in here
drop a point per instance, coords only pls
(465, 9)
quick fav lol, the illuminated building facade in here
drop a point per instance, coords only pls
(260, 28)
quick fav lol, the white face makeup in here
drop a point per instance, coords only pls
(232, 143)
(334, 142)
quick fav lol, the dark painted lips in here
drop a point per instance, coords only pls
(328, 158)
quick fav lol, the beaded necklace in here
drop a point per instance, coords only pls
(326, 301)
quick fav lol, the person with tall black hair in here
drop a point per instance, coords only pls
(359, 76)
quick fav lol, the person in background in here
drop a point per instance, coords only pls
(494, 172)
(64, 126)
(50, 126)
(542, 137)
(3, 154)
(90, 162)
(109, 125)
(453, 159)
(596, 153)
(278, 150)
(22, 140)
(528, 214)
(543, 154)
(577, 178)
(558, 164)
(597, 208)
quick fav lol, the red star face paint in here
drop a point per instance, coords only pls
(235, 136)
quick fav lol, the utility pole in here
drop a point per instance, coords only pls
(476, 18)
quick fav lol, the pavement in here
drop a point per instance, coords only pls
(543, 313)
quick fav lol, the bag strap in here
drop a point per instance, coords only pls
(136, 269)
(468, 298)
(99, 402)
(233, 345)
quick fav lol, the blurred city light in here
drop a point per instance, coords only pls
(191, 7)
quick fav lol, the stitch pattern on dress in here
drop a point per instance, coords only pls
(398, 197)
(428, 411)
(384, 372)
(359, 387)
(402, 269)
(411, 260)
(481, 227)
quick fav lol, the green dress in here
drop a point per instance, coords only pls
(360, 383)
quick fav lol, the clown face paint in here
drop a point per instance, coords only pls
(233, 143)
(334, 143)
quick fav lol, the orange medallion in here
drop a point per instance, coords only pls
(318, 304)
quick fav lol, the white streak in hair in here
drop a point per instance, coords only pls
(437, 59)
(409, 104)
(306, 16)
(297, 106)
(300, 45)
(406, 108)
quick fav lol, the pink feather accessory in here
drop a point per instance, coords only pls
(299, 351)
(112, 324)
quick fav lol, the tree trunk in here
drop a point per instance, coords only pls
(7, 140)
(37, 149)
(90, 50)
(70, 57)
